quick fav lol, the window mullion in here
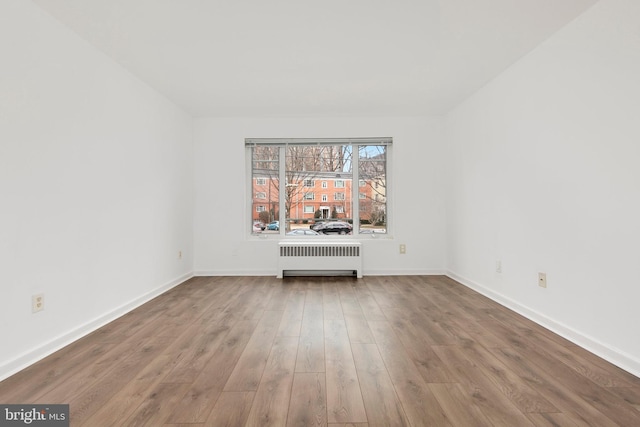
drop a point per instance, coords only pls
(282, 177)
(355, 188)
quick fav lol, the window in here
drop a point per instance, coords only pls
(372, 169)
(299, 163)
(265, 164)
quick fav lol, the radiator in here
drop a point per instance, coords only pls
(307, 257)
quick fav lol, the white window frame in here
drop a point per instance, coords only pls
(309, 209)
(356, 143)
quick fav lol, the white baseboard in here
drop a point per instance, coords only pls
(403, 272)
(213, 273)
(19, 363)
(618, 357)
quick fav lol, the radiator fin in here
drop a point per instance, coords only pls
(324, 251)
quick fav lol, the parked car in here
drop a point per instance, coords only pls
(302, 232)
(335, 227)
(258, 226)
(317, 225)
(274, 225)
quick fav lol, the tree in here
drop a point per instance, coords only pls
(377, 217)
(264, 217)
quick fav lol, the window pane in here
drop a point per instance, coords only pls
(265, 182)
(306, 164)
(372, 162)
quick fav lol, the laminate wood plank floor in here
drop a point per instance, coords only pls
(333, 352)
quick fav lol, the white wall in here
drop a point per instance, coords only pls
(544, 176)
(96, 187)
(222, 221)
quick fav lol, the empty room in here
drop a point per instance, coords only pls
(341, 213)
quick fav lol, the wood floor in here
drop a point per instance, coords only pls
(379, 351)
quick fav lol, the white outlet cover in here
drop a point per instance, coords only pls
(37, 303)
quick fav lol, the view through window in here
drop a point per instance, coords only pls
(309, 184)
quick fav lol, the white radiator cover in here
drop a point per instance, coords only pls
(324, 256)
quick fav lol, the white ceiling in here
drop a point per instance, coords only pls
(315, 58)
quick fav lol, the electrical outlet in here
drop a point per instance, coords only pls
(37, 303)
(498, 266)
(542, 280)
(403, 249)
